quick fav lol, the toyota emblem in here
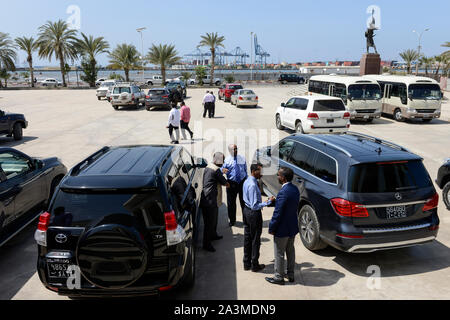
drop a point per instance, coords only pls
(398, 196)
(61, 238)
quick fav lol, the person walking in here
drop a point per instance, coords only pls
(174, 124)
(213, 105)
(284, 227)
(185, 119)
(211, 200)
(235, 167)
(207, 104)
(253, 221)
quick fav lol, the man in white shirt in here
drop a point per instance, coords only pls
(174, 124)
(208, 103)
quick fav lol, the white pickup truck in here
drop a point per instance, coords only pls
(207, 80)
(155, 80)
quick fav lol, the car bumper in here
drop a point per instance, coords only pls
(123, 103)
(326, 130)
(101, 95)
(157, 103)
(416, 115)
(365, 116)
(247, 103)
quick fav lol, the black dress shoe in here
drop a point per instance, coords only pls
(275, 281)
(258, 268)
(218, 238)
(247, 268)
(209, 249)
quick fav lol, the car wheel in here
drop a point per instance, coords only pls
(310, 229)
(398, 115)
(446, 195)
(17, 132)
(99, 98)
(299, 128)
(278, 122)
(116, 108)
(150, 83)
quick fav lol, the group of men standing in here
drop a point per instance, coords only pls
(283, 226)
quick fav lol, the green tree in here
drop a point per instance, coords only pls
(124, 57)
(115, 76)
(186, 76)
(89, 47)
(56, 38)
(426, 62)
(5, 75)
(7, 52)
(200, 73)
(213, 41)
(164, 56)
(409, 56)
(29, 45)
(229, 78)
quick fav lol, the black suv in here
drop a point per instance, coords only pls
(443, 181)
(12, 124)
(285, 78)
(358, 193)
(122, 223)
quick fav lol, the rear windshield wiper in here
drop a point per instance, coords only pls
(405, 188)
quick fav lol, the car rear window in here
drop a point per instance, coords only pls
(79, 209)
(388, 177)
(157, 92)
(247, 92)
(122, 90)
(237, 87)
(329, 105)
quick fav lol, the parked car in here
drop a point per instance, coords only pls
(100, 81)
(155, 80)
(50, 82)
(227, 90)
(126, 94)
(12, 124)
(443, 181)
(313, 114)
(244, 97)
(102, 91)
(157, 98)
(358, 193)
(174, 85)
(26, 187)
(206, 80)
(127, 218)
(285, 78)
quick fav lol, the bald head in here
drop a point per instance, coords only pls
(233, 149)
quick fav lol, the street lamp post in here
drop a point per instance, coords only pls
(420, 47)
(251, 57)
(142, 57)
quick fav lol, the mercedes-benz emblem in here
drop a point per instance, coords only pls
(61, 238)
(398, 196)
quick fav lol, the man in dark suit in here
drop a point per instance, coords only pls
(284, 226)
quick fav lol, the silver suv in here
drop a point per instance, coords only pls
(106, 86)
(127, 94)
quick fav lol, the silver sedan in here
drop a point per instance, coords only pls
(244, 97)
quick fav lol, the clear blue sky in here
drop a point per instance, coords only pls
(291, 30)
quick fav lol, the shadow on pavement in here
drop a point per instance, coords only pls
(11, 143)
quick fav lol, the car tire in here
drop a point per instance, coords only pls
(17, 132)
(310, 229)
(150, 83)
(278, 122)
(398, 115)
(116, 108)
(299, 128)
(99, 98)
(446, 195)
(370, 120)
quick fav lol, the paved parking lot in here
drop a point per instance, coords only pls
(72, 124)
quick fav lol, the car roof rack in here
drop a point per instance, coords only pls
(326, 143)
(88, 161)
(377, 140)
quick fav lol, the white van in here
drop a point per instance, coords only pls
(361, 96)
(410, 97)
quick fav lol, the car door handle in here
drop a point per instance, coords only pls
(300, 180)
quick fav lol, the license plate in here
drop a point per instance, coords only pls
(249, 99)
(330, 120)
(366, 117)
(398, 212)
(57, 268)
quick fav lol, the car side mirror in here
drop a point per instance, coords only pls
(269, 151)
(283, 105)
(38, 164)
(201, 163)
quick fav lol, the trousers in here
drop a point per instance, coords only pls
(284, 246)
(253, 224)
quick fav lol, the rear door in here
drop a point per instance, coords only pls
(280, 156)
(331, 114)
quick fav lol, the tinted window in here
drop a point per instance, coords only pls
(339, 90)
(364, 91)
(290, 103)
(325, 168)
(398, 90)
(301, 104)
(283, 150)
(303, 157)
(389, 177)
(236, 87)
(425, 91)
(157, 92)
(329, 105)
(14, 165)
(188, 163)
(118, 90)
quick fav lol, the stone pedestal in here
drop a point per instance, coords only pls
(370, 64)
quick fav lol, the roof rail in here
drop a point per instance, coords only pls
(326, 143)
(377, 140)
(85, 163)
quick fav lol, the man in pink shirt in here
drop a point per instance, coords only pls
(185, 119)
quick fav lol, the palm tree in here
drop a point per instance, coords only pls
(125, 57)
(186, 76)
(409, 56)
(7, 53)
(29, 45)
(426, 62)
(89, 47)
(164, 56)
(4, 74)
(213, 41)
(438, 60)
(56, 38)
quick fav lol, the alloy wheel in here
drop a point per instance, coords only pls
(306, 227)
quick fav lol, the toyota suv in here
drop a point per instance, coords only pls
(126, 94)
(122, 223)
(358, 193)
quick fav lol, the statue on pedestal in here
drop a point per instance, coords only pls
(370, 34)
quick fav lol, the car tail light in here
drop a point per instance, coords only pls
(349, 236)
(431, 203)
(40, 234)
(313, 116)
(348, 126)
(347, 115)
(240, 98)
(132, 97)
(433, 228)
(165, 288)
(147, 97)
(175, 234)
(165, 97)
(257, 98)
(347, 208)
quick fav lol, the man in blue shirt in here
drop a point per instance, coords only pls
(235, 167)
(253, 221)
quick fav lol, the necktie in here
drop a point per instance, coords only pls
(238, 172)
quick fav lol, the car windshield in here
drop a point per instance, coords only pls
(235, 87)
(107, 84)
(247, 92)
(156, 92)
(118, 90)
(364, 92)
(394, 176)
(424, 91)
(329, 105)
